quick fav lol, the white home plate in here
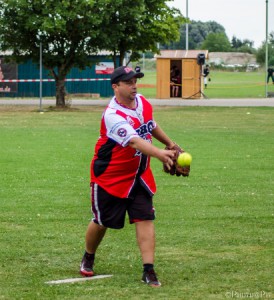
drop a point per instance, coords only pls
(71, 280)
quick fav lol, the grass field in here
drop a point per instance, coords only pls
(222, 85)
(214, 229)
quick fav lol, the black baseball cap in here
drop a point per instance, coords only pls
(124, 74)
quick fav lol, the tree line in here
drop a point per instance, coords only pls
(212, 36)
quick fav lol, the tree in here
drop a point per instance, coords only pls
(260, 56)
(197, 33)
(139, 26)
(236, 43)
(71, 30)
(245, 46)
(216, 42)
(68, 31)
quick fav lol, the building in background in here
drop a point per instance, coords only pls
(22, 80)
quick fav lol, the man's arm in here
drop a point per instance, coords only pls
(165, 156)
(161, 136)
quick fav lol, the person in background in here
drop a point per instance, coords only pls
(175, 81)
(270, 74)
(206, 72)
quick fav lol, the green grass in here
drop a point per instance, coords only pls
(236, 85)
(222, 85)
(214, 229)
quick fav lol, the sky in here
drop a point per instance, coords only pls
(245, 19)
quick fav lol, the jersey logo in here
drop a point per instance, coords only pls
(145, 129)
(122, 132)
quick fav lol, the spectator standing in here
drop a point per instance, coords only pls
(270, 74)
(206, 72)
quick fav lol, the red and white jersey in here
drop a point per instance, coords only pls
(115, 165)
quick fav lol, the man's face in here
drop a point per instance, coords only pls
(126, 90)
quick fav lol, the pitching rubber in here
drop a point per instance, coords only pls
(72, 280)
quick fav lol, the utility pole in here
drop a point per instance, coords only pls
(266, 47)
(41, 78)
(187, 25)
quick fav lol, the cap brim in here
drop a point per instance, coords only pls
(126, 77)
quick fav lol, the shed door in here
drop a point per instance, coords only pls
(191, 79)
(163, 78)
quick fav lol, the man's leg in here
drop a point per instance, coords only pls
(94, 236)
(145, 235)
(177, 90)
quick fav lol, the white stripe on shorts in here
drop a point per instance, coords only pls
(95, 198)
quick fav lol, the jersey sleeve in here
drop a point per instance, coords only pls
(118, 129)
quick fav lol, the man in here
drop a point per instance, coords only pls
(121, 178)
(205, 74)
(270, 74)
(175, 81)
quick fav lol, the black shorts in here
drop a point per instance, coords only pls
(110, 211)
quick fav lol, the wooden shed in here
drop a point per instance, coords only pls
(188, 65)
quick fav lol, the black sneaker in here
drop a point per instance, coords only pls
(86, 267)
(150, 278)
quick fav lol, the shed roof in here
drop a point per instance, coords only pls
(181, 53)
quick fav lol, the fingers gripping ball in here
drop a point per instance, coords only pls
(184, 159)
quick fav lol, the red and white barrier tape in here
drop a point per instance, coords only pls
(67, 79)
